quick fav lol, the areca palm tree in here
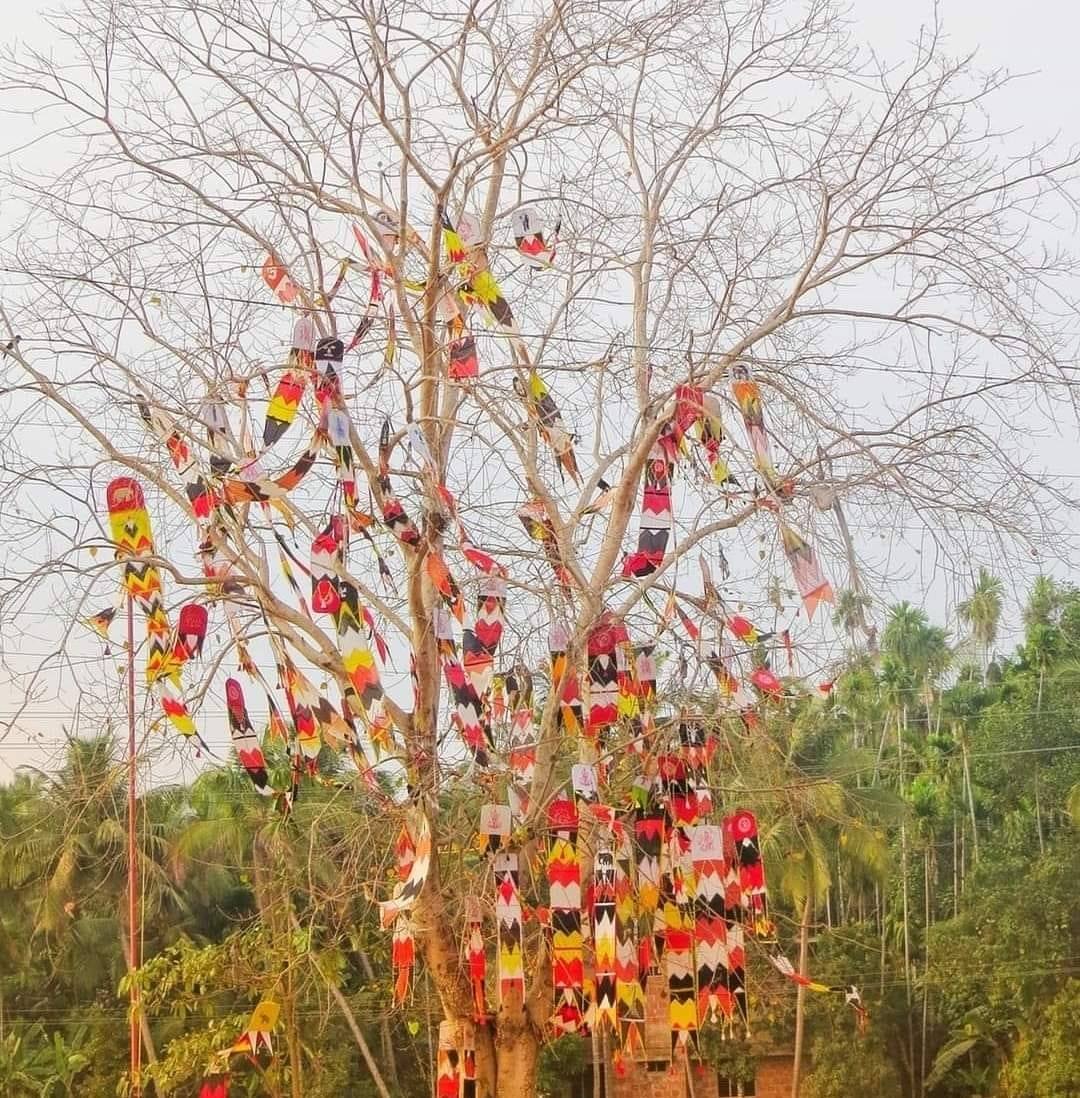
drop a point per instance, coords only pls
(981, 613)
(851, 611)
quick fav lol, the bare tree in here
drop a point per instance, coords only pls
(738, 187)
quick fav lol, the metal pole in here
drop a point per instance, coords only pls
(133, 871)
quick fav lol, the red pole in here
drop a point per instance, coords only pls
(133, 871)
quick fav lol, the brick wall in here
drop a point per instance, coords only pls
(774, 1077)
(773, 1072)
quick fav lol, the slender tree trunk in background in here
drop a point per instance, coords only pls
(881, 745)
(905, 911)
(955, 868)
(971, 805)
(928, 907)
(354, 1027)
(292, 1037)
(1038, 812)
(361, 1043)
(839, 897)
(388, 1054)
(800, 996)
(922, 1043)
(963, 855)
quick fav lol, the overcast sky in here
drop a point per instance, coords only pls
(1036, 39)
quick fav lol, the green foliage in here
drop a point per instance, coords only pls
(864, 802)
(1046, 1063)
(560, 1060)
(842, 1065)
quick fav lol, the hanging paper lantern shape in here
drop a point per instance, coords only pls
(528, 229)
(191, 628)
(277, 280)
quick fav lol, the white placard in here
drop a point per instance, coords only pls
(706, 843)
(495, 819)
(583, 777)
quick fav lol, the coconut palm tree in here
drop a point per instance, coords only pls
(981, 613)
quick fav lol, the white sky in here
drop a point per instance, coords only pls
(1036, 39)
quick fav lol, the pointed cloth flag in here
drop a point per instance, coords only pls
(448, 1062)
(408, 891)
(290, 389)
(564, 882)
(528, 229)
(508, 916)
(129, 523)
(278, 281)
(654, 521)
(629, 993)
(257, 1035)
(604, 940)
(248, 750)
(810, 580)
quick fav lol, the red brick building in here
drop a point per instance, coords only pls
(653, 1076)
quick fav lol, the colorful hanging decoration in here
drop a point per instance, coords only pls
(542, 407)
(744, 836)
(393, 513)
(475, 956)
(129, 523)
(468, 711)
(248, 750)
(403, 946)
(448, 1062)
(299, 368)
(603, 677)
(734, 936)
(654, 523)
(564, 679)
(528, 229)
(629, 993)
(850, 992)
(604, 941)
(748, 398)
(813, 587)
(511, 965)
(521, 756)
(257, 1035)
(278, 281)
(564, 883)
(715, 1003)
(538, 525)
(408, 891)
(480, 641)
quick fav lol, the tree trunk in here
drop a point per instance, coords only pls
(389, 1058)
(512, 1069)
(800, 997)
(971, 805)
(358, 1037)
(955, 869)
(1038, 812)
